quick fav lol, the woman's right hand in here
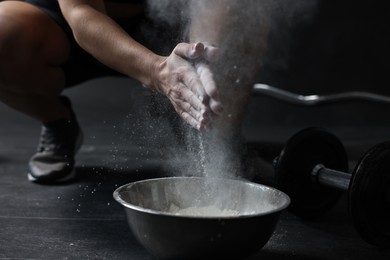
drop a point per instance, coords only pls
(186, 79)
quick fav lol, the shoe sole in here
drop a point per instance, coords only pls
(69, 176)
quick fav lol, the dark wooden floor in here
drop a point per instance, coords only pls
(80, 220)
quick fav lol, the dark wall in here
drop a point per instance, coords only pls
(343, 46)
(334, 46)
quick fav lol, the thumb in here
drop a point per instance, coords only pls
(190, 50)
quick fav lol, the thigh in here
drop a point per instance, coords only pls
(21, 20)
(30, 41)
(78, 65)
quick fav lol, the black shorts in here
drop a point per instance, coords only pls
(81, 66)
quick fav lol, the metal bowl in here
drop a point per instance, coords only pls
(201, 218)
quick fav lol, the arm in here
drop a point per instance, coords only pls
(173, 76)
(100, 36)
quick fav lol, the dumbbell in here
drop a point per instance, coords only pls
(313, 169)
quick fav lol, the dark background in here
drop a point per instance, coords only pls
(339, 46)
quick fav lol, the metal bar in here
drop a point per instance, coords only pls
(311, 100)
(331, 178)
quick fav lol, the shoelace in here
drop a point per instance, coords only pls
(53, 140)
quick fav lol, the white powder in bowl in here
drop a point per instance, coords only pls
(206, 211)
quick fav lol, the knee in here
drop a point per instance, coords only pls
(32, 46)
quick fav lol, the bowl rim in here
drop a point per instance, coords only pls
(117, 197)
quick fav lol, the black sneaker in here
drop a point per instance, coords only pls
(59, 142)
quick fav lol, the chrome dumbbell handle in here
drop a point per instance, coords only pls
(311, 100)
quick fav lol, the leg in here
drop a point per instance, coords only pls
(238, 29)
(32, 49)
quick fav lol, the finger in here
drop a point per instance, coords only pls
(189, 50)
(183, 98)
(190, 119)
(216, 107)
(210, 87)
(191, 80)
(192, 116)
(210, 52)
(207, 80)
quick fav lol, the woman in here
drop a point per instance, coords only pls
(46, 46)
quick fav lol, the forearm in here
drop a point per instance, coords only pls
(175, 76)
(104, 39)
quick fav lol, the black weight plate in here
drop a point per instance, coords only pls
(369, 196)
(293, 168)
